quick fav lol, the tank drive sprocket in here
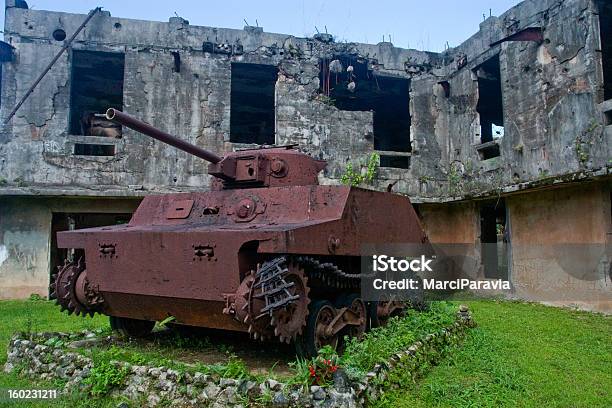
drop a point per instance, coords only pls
(272, 300)
(247, 307)
(290, 320)
(72, 292)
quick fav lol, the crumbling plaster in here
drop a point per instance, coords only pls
(25, 238)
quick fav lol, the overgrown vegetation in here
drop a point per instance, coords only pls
(325, 99)
(322, 368)
(362, 172)
(105, 375)
(519, 355)
(378, 345)
(164, 353)
(454, 179)
(36, 316)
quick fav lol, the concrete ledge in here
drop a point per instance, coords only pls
(99, 192)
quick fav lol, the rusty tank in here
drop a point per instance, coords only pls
(265, 250)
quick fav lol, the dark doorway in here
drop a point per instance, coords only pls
(490, 105)
(96, 84)
(605, 31)
(252, 103)
(349, 84)
(73, 221)
(494, 239)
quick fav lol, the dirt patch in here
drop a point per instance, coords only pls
(209, 346)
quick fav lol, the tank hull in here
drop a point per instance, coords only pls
(182, 254)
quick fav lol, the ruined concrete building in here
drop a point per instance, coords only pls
(507, 135)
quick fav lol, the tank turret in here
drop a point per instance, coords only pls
(263, 167)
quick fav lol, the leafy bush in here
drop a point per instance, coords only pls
(363, 173)
(35, 297)
(104, 376)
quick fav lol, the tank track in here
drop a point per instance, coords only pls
(328, 273)
(270, 279)
(274, 300)
(332, 276)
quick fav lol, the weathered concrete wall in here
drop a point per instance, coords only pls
(451, 223)
(25, 228)
(193, 103)
(553, 125)
(25, 236)
(551, 103)
(561, 242)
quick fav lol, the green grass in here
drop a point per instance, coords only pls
(520, 355)
(37, 316)
(381, 343)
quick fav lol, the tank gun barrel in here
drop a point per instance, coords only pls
(144, 128)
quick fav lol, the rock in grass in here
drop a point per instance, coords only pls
(230, 394)
(246, 386)
(90, 342)
(154, 372)
(341, 380)
(280, 400)
(201, 379)
(203, 396)
(227, 382)
(172, 374)
(153, 400)
(212, 390)
(273, 384)
(319, 394)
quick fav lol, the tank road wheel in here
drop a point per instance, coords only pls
(322, 314)
(359, 309)
(381, 311)
(131, 327)
(289, 321)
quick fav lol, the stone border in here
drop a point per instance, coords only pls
(409, 360)
(150, 385)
